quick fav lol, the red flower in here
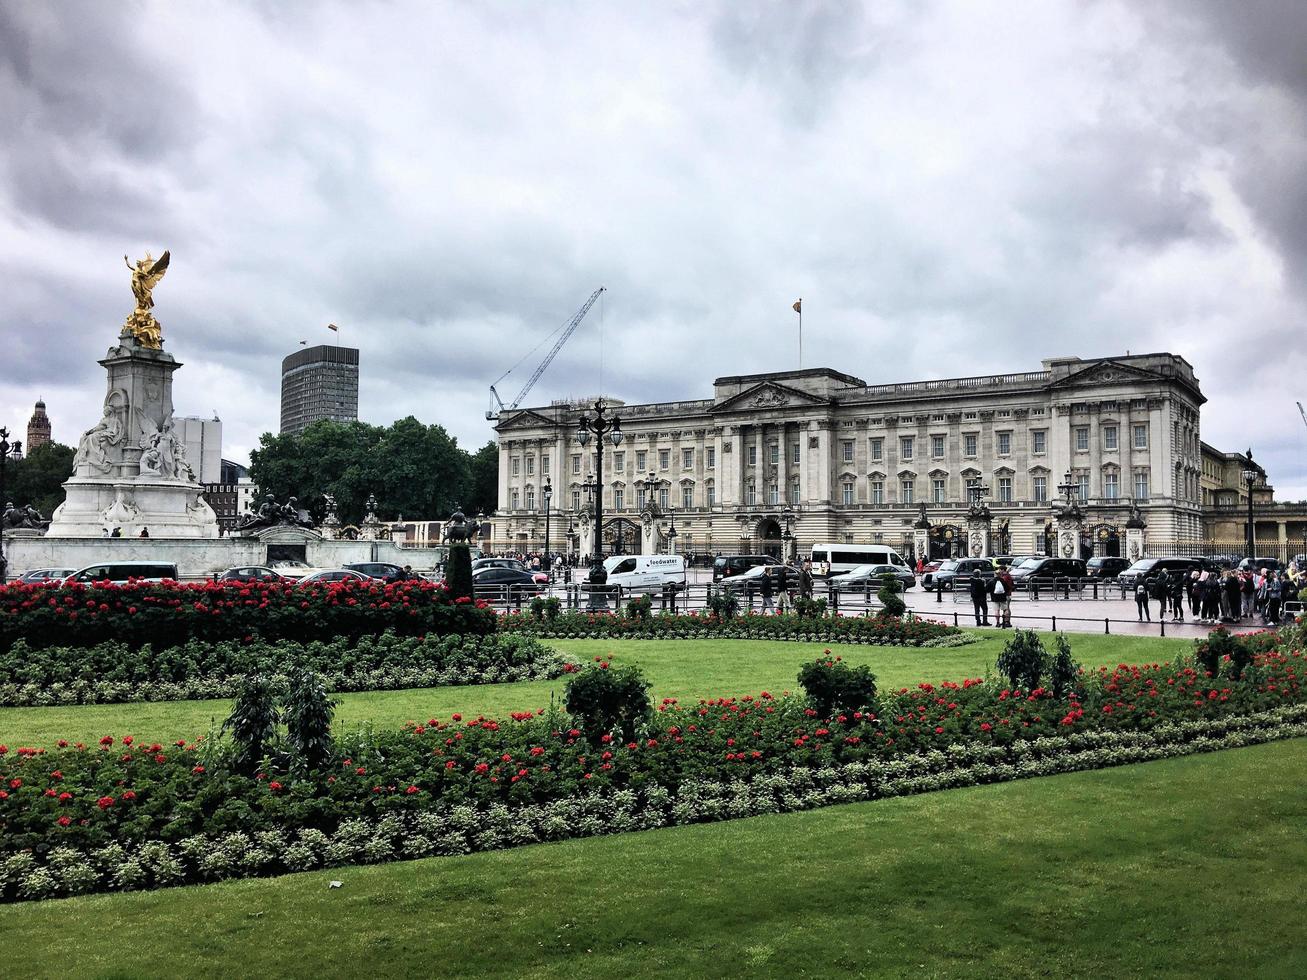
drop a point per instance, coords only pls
(129, 795)
(197, 770)
(3, 795)
(127, 740)
(107, 740)
(15, 783)
(104, 802)
(64, 821)
(411, 790)
(274, 786)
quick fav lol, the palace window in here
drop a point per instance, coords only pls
(774, 453)
(1141, 484)
(1141, 436)
(530, 499)
(905, 447)
(973, 484)
(664, 498)
(774, 494)
(1004, 443)
(794, 492)
(1111, 485)
(576, 465)
(619, 461)
(544, 464)
(878, 448)
(1041, 489)
(1109, 437)
(687, 459)
(878, 491)
(1082, 485)
(641, 498)
(710, 462)
(1039, 441)
(848, 451)
(937, 491)
(710, 494)
(619, 498)
(641, 458)
(753, 455)
(969, 444)
(794, 454)
(937, 447)
(847, 489)
(750, 496)
(530, 466)
(517, 466)
(664, 458)
(513, 498)
(687, 496)
(907, 489)
(1082, 438)
(1005, 489)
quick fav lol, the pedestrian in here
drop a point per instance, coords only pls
(1248, 593)
(1141, 600)
(1233, 599)
(1175, 591)
(1162, 593)
(145, 533)
(921, 566)
(980, 598)
(1191, 592)
(805, 580)
(116, 533)
(104, 532)
(1271, 602)
(766, 588)
(1000, 587)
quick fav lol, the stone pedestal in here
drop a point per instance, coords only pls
(131, 470)
(978, 537)
(1068, 537)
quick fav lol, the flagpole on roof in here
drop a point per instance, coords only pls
(798, 308)
(336, 330)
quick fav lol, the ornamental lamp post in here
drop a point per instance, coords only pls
(600, 428)
(1250, 475)
(8, 451)
(671, 531)
(547, 493)
(787, 534)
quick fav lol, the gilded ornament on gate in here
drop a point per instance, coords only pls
(145, 276)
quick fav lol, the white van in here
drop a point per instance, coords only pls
(645, 573)
(833, 559)
(119, 572)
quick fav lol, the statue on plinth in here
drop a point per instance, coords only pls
(93, 449)
(459, 530)
(26, 518)
(273, 514)
(141, 324)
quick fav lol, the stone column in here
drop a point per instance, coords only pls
(978, 535)
(1069, 529)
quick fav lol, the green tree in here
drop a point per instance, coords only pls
(483, 489)
(38, 478)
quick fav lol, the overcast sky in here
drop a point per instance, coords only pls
(953, 188)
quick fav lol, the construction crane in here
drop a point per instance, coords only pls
(1302, 413)
(565, 331)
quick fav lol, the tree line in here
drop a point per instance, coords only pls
(38, 477)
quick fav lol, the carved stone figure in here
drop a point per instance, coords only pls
(22, 517)
(152, 461)
(93, 449)
(273, 514)
(123, 510)
(459, 530)
(141, 324)
(1136, 518)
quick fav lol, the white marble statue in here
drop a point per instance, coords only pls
(93, 449)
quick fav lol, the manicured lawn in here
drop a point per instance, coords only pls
(677, 668)
(1146, 870)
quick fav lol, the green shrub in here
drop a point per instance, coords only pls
(1063, 671)
(458, 571)
(724, 604)
(307, 711)
(1024, 660)
(833, 686)
(640, 608)
(603, 699)
(1209, 652)
(807, 608)
(546, 608)
(253, 723)
(891, 601)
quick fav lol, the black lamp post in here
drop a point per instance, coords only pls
(548, 494)
(600, 428)
(671, 531)
(1250, 475)
(7, 451)
(787, 535)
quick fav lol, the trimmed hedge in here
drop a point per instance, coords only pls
(171, 613)
(114, 672)
(878, 630)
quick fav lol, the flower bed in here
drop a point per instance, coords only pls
(127, 815)
(171, 613)
(114, 672)
(879, 630)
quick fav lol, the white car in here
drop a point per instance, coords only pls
(327, 575)
(292, 569)
(37, 575)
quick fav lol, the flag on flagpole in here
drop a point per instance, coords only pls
(332, 326)
(798, 306)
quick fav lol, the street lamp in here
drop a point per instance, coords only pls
(787, 534)
(671, 531)
(1250, 476)
(7, 451)
(548, 494)
(600, 429)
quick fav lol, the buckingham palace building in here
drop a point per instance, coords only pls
(817, 455)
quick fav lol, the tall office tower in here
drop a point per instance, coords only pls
(319, 383)
(38, 428)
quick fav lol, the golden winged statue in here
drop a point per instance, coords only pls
(145, 276)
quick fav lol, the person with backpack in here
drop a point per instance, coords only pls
(1232, 595)
(980, 598)
(1162, 593)
(1001, 589)
(1175, 592)
(1248, 593)
(1141, 600)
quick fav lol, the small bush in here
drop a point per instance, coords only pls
(807, 608)
(833, 686)
(458, 571)
(891, 601)
(603, 700)
(724, 604)
(1063, 671)
(640, 608)
(1210, 652)
(1024, 660)
(253, 723)
(546, 608)
(307, 712)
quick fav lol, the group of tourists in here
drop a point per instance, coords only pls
(1226, 596)
(997, 590)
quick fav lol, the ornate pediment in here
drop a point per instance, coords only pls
(1107, 373)
(767, 396)
(525, 420)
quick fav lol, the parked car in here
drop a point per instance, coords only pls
(928, 571)
(494, 580)
(125, 571)
(292, 569)
(646, 573)
(1150, 568)
(38, 575)
(481, 563)
(785, 578)
(959, 570)
(1045, 571)
(1106, 566)
(383, 570)
(1256, 564)
(251, 573)
(328, 575)
(728, 566)
(869, 577)
(1008, 561)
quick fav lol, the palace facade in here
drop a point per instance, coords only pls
(839, 460)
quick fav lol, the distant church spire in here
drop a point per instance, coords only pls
(38, 427)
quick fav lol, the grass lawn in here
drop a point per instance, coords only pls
(1146, 870)
(677, 668)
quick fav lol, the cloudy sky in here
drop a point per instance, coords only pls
(953, 188)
